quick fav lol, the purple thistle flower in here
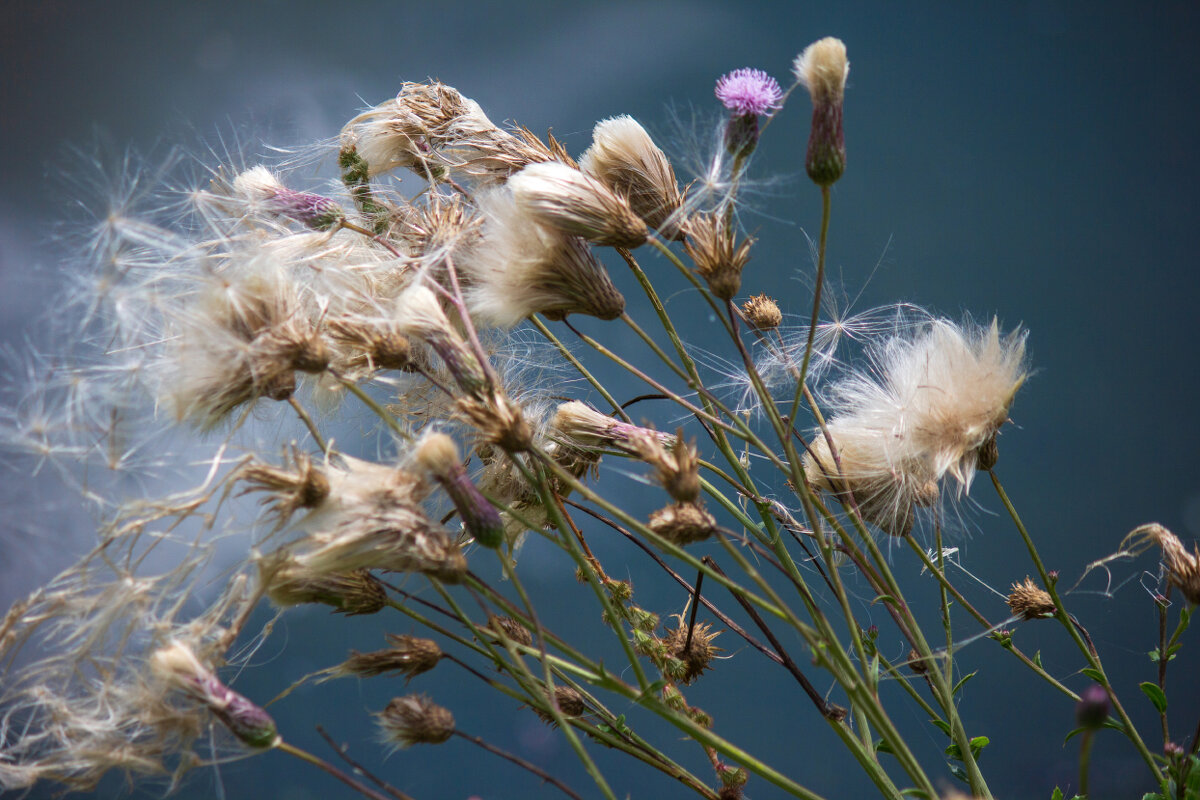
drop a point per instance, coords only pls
(749, 92)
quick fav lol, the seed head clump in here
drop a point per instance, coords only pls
(626, 159)
(1029, 601)
(932, 400)
(415, 719)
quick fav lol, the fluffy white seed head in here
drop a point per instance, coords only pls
(437, 453)
(626, 159)
(934, 398)
(562, 197)
(822, 68)
(520, 268)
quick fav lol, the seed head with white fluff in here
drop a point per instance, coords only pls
(933, 399)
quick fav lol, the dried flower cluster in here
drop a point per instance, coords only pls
(244, 339)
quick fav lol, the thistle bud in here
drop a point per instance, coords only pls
(748, 94)
(683, 524)
(1092, 709)
(718, 256)
(762, 313)
(262, 189)
(509, 628)
(692, 658)
(408, 655)
(564, 198)
(438, 455)
(570, 704)
(1029, 601)
(415, 719)
(822, 69)
(179, 667)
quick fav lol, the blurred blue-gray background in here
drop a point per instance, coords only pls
(1036, 161)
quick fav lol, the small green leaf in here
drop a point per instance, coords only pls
(883, 747)
(959, 685)
(1094, 674)
(1057, 795)
(913, 791)
(1153, 655)
(1073, 734)
(1155, 694)
(959, 773)
(944, 727)
(1037, 658)
(977, 745)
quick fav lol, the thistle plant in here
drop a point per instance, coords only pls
(799, 509)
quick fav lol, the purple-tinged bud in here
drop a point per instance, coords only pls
(822, 69)
(178, 666)
(260, 187)
(1173, 750)
(438, 455)
(1092, 709)
(748, 94)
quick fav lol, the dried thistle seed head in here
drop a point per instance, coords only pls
(694, 659)
(584, 427)
(677, 470)
(570, 704)
(498, 420)
(509, 628)
(178, 667)
(374, 519)
(1029, 601)
(415, 719)
(684, 523)
(762, 312)
(718, 256)
(263, 192)
(1183, 568)
(419, 313)
(567, 200)
(372, 344)
(351, 593)
(625, 158)
(518, 267)
(243, 339)
(301, 484)
(822, 68)
(408, 656)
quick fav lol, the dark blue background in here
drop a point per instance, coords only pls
(1036, 161)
